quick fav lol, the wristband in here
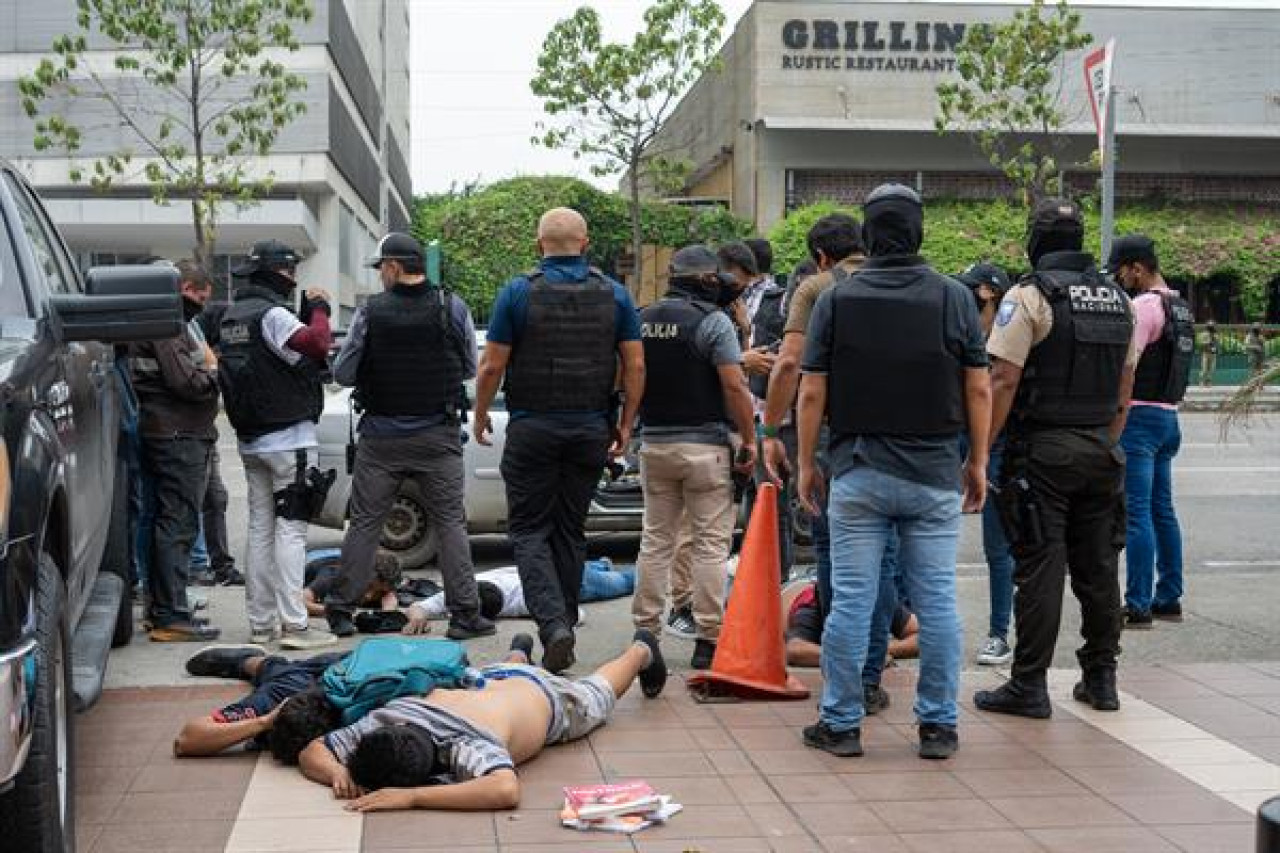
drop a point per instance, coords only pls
(767, 431)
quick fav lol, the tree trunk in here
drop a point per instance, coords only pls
(637, 238)
(202, 241)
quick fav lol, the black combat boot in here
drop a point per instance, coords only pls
(1098, 689)
(1021, 697)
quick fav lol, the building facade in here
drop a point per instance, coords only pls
(340, 170)
(824, 100)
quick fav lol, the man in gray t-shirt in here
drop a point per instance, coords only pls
(695, 396)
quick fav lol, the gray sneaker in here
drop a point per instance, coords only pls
(995, 652)
(680, 623)
(306, 639)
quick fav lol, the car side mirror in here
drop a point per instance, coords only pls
(123, 304)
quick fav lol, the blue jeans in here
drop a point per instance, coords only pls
(882, 616)
(200, 552)
(145, 497)
(1151, 439)
(864, 506)
(995, 546)
(600, 582)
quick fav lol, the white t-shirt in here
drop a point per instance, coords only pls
(506, 579)
(278, 325)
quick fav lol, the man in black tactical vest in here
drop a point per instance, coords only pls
(269, 371)
(407, 354)
(695, 394)
(895, 359)
(557, 335)
(1166, 340)
(1063, 355)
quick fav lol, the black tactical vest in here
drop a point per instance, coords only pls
(1165, 367)
(766, 329)
(891, 370)
(261, 392)
(412, 359)
(682, 386)
(1072, 377)
(566, 359)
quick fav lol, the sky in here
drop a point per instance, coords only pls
(472, 114)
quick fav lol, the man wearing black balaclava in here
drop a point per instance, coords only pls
(896, 361)
(1063, 356)
(177, 385)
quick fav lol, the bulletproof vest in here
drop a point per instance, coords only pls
(1165, 367)
(565, 360)
(1072, 378)
(766, 329)
(682, 386)
(262, 393)
(412, 360)
(891, 371)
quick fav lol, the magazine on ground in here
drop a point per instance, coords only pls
(624, 807)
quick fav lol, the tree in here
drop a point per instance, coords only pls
(1009, 94)
(195, 88)
(610, 100)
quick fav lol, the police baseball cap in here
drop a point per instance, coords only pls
(397, 247)
(267, 255)
(693, 261)
(1056, 214)
(989, 274)
(1130, 248)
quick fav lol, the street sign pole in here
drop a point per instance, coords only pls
(1102, 99)
(1109, 176)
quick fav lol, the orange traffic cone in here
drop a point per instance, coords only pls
(750, 661)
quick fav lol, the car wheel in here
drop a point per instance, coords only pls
(117, 557)
(38, 814)
(408, 532)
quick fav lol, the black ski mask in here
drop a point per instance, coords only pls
(893, 221)
(190, 309)
(276, 281)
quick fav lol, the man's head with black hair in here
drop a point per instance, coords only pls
(491, 599)
(803, 270)
(386, 568)
(833, 238)
(302, 719)
(738, 260)
(763, 251)
(401, 756)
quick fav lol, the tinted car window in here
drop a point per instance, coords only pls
(13, 301)
(30, 222)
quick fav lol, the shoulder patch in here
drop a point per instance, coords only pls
(1007, 309)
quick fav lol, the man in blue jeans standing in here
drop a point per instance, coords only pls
(895, 358)
(1151, 438)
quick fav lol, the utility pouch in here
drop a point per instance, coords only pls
(303, 499)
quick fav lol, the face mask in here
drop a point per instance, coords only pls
(190, 309)
(725, 295)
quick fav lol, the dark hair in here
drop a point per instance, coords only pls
(835, 235)
(189, 272)
(303, 718)
(763, 252)
(803, 270)
(491, 599)
(400, 756)
(738, 254)
(386, 568)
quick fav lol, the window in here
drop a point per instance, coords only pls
(348, 235)
(54, 277)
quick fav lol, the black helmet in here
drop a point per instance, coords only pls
(267, 256)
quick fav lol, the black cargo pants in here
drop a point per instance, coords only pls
(551, 469)
(1077, 479)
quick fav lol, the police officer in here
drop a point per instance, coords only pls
(270, 376)
(1063, 369)
(696, 392)
(1166, 340)
(407, 353)
(557, 335)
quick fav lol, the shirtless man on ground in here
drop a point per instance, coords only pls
(458, 749)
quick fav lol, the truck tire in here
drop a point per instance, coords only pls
(38, 814)
(117, 557)
(408, 532)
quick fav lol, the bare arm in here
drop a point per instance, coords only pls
(737, 400)
(803, 653)
(784, 380)
(1122, 404)
(1005, 376)
(810, 412)
(205, 736)
(497, 790)
(318, 763)
(977, 400)
(633, 375)
(493, 365)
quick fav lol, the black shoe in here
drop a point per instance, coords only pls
(201, 576)
(704, 652)
(380, 621)
(557, 650)
(523, 643)
(1017, 698)
(1098, 689)
(470, 627)
(1137, 620)
(228, 576)
(843, 744)
(340, 623)
(223, 661)
(874, 699)
(1167, 612)
(654, 676)
(938, 741)
(184, 632)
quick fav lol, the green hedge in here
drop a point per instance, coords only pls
(489, 235)
(1195, 242)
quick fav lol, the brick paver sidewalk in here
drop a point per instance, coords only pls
(1181, 767)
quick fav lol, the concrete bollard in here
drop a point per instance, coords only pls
(1269, 826)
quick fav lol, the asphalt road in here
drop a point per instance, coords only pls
(1228, 497)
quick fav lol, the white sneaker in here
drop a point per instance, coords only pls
(306, 639)
(994, 652)
(261, 638)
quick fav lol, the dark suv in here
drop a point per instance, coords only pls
(64, 510)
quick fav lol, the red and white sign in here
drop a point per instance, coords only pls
(1097, 79)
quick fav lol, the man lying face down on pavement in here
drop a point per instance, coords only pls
(458, 749)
